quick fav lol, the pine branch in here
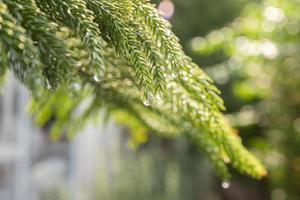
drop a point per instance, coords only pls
(150, 48)
(75, 15)
(3, 64)
(114, 25)
(21, 55)
(101, 55)
(55, 53)
(161, 29)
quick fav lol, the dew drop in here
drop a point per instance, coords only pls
(158, 44)
(168, 32)
(225, 184)
(96, 78)
(148, 100)
(159, 99)
(48, 86)
(76, 86)
(184, 73)
(69, 11)
(185, 78)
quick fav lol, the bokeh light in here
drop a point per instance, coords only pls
(166, 8)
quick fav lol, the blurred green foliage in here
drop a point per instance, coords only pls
(260, 80)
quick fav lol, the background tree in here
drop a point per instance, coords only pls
(259, 77)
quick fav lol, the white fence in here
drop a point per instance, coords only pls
(31, 166)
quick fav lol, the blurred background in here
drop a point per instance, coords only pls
(251, 48)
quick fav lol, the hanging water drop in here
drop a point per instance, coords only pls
(48, 85)
(69, 11)
(96, 78)
(76, 86)
(225, 184)
(159, 99)
(185, 78)
(148, 99)
(158, 44)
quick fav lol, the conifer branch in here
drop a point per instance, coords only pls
(114, 25)
(3, 64)
(21, 54)
(55, 53)
(150, 48)
(75, 15)
(161, 29)
(104, 54)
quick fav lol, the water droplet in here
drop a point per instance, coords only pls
(225, 184)
(48, 86)
(79, 64)
(168, 32)
(184, 73)
(158, 44)
(148, 99)
(69, 11)
(203, 96)
(76, 86)
(96, 78)
(158, 97)
(185, 78)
